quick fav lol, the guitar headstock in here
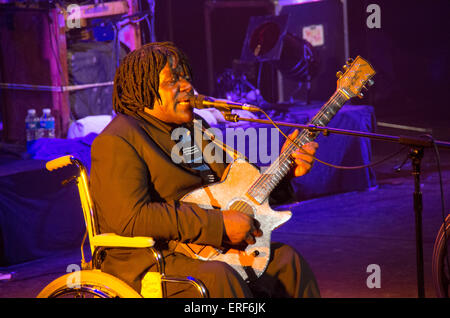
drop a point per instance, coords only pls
(357, 73)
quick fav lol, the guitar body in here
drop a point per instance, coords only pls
(230, 193)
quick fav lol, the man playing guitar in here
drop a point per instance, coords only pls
(137, 188)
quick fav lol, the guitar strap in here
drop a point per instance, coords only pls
(186, 249)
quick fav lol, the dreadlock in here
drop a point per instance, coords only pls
(136, 81)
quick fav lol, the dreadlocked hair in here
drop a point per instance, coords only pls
(136, 81)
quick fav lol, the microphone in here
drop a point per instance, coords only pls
(201, 102)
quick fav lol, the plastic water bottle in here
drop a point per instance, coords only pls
(46, 124)
(31, 125)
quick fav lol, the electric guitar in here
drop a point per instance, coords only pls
(245, 189)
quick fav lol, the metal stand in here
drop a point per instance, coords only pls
(417, 145)
(307, 91)
(416, 155)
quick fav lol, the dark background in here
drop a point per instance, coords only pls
(410, 53)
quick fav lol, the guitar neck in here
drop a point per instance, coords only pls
(264, 185)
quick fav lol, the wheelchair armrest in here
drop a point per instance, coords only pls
(113, 240)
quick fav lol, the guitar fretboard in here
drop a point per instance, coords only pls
(266, 183)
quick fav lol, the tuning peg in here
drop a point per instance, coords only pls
(370, 82)
(345, 67)
(361, 95)
(350, 61)
(339, 74)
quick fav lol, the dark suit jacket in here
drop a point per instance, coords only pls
(136, 187)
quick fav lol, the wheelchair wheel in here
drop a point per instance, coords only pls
(440, 266)
(89, 284)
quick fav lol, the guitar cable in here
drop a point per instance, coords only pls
(330, 164)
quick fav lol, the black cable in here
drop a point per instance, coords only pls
(372, 164)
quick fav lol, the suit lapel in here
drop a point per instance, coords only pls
(160, 133)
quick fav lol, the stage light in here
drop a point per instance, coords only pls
(267, 40)
(297, 61)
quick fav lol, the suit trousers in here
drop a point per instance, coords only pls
(287, 275)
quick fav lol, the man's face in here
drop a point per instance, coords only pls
(175, 89)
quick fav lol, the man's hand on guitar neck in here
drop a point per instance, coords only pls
(302, 158)
(239, 228)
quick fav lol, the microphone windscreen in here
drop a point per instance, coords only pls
(197, 101)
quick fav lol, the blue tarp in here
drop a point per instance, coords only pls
(51, 148)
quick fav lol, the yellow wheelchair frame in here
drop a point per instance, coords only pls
(90, 281)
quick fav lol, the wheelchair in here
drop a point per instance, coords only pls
(440, 261)
(90, 281)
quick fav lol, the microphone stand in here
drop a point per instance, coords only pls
(417, 145)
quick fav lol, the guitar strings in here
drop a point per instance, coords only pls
(292, 145)
(264, 177)
(284, 155)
